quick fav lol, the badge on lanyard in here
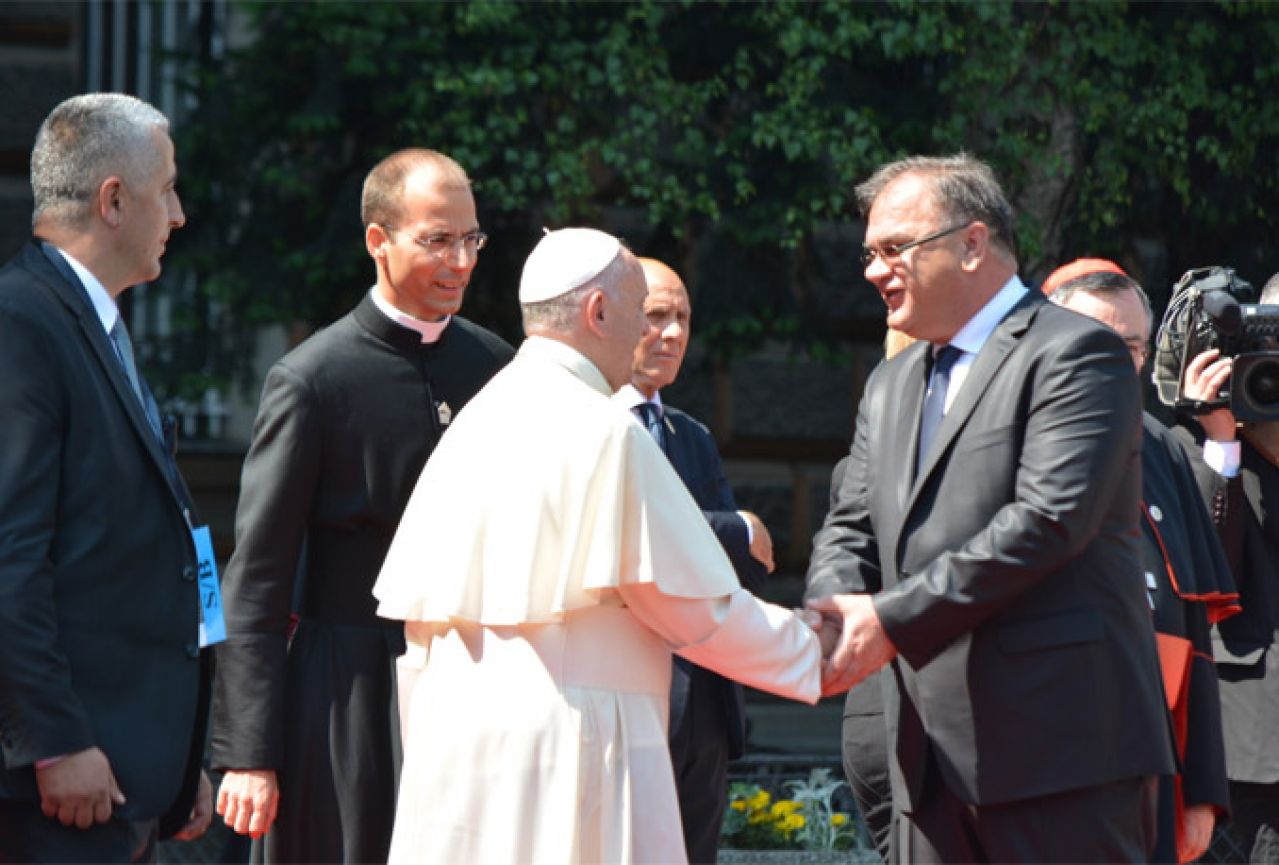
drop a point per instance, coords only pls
(212, 622)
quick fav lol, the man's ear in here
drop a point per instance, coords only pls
(976, 245)
(375, 241)
(110, 201)
(593, 311)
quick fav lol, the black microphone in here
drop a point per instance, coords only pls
(1224, 311)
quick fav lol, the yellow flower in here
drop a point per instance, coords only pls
(737, 805)
(838, 819)
(791, 823)
(759, 801)
(784, 807)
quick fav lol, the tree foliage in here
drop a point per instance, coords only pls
(724, 136)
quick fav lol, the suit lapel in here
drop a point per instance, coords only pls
(677, 448)
(910, 389)
(53, 271)
(894, 418)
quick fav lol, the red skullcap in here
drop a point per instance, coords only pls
(1077, 268)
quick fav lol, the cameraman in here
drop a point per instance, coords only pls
(1239, 479)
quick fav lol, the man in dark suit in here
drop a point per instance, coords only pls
(996, 562)
(305, 723)
(1238, 471)
(102, 685)
(708, 717)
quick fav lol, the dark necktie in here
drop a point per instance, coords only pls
(650, 413)
(124, 350)
(935, 400)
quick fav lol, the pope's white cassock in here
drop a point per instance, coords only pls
(547, 564)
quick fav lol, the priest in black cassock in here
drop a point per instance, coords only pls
(305, 721)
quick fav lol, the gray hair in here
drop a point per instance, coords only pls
(964, 188)
(558, 314)
(85, 140)
(1102, 284)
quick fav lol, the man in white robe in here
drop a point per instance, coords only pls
(544, 590)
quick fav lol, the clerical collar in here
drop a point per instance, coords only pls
(103, 303)
(430, 331)
(629, 395)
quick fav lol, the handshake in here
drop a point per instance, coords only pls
(854, 643)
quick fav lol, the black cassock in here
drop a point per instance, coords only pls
(1190, 587)
(345, 424)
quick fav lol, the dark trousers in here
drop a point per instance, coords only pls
(26, 835)
(342, 756)
(1165, 852)
(1108, 823)
(865, 750)
(699, 756)
(1254, 821)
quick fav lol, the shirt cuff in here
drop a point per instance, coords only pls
(750, 533)
(1222, 457)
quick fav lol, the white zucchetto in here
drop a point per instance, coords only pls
(564, 260)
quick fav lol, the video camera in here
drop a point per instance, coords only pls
(1213, 308)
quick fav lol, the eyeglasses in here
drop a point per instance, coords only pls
(443, 245)
(1138, 348)
(890, 252)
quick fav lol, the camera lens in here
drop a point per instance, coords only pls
(1255, 389)
(1263, 384)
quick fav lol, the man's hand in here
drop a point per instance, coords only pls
(201, 812)
(79, 789)
(1206, 375)
(827, 628)
(248, 799)
(761, 540)
(1196, 832)
(863, 647)
(828, 634)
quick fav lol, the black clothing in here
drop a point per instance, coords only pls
(99, 605)
(1007, 575)
(346, 422)
(1190, 587)
(1091, 824)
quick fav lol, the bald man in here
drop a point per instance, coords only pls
(708, 716)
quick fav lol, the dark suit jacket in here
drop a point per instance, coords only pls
(98, 598)
(1246, 646)
(1008, 573)
(692, 452)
